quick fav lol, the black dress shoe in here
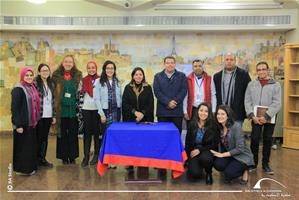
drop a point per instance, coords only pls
(45, 163)
(65, 162)
(72, 161)
(227, 181)
(94, 160)
(84, 162)
(209, 179)
(162, 174)
(130, 169)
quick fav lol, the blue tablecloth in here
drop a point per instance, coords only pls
(149, 145)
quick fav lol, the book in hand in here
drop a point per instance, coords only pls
(259, 111)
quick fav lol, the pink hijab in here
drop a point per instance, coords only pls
(32, 92)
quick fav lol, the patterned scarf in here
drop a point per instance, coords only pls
(231, 89)
(224, 139)
(111, 115)
(32, 98)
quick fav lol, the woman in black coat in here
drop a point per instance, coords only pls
(138, 99)
(202, 136)
(25, 110)
(138, 106)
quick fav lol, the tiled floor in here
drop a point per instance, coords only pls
(72, 182)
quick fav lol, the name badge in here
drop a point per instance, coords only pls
(67, 95)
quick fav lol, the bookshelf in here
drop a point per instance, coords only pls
(291, 97)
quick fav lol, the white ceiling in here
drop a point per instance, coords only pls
(139, 5)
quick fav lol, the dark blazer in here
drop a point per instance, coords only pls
(167, 89)
(241, 82)
(210, 140)
(237, 146)
(19, 108)
(144, 103)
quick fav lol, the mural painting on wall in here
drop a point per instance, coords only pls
(131, 50)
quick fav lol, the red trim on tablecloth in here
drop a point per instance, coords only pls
(176, 167)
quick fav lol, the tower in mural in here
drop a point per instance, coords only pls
(179, 59)
(173, 52)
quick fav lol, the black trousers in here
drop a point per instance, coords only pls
(202, 161)
(176, 120)
(42, 132)
(91, 124)
(267, 131)
(67, 143)
(231, 167)
(24, 150)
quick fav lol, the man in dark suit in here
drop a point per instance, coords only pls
(231, 83)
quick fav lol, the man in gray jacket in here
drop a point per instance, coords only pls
(262, 103)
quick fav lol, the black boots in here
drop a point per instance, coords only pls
(85, 161)
(94, 159)
(42, 156)
(87, 144)
(209, 179)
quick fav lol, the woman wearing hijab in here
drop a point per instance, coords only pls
(91, 118)
(25, 108)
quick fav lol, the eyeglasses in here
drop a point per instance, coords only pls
(109, 68)
(44, 70)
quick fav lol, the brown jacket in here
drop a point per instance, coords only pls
(57, 78)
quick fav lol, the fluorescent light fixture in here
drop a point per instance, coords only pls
(37, 1)
(219, 6)
(269, 25)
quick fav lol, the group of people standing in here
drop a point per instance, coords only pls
(214, 107)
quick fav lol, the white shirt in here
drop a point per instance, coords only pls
(199, 94)
(47, 103)
(88, 101)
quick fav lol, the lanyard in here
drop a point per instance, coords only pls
(46, 90)
(199, 85)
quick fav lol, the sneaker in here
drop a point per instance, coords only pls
(274, 146)
(33, 172)
(252, 168)
(268, 170)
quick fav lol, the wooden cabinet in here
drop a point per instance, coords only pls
(291, 97)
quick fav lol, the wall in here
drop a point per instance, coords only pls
(129, 50)
(293, 35)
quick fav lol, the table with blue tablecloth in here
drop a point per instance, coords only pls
(156, 145)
